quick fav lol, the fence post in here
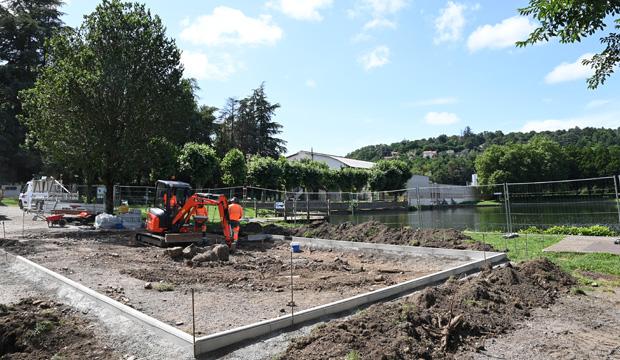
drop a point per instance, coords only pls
(419, 206)
(307, 208)
(616, 190)
(328, 209)
(506, 207)
(284, 201)
(113, 195)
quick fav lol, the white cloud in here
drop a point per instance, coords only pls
(607, 120)
(199, 66)
(501, 35)
(378, 23)
(361, 37)
(378, 57)
(311, 83)
(434, 101)
(450, 22)
(597, 103)
(441, 118)
(301, 9)
(231, 26)
(382, 7)
(570, 71)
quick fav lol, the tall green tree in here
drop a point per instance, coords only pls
(264, 172)
(226, 127)
(351, 179)
(292, 173)
(25, 25)
(248, 125)
(233, 168)
(538, 160)
(199, 164)
(572, 20)
(106, 89)
(202, 126)
(163, 161)
(389, 175)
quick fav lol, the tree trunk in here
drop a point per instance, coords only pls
(109, 196)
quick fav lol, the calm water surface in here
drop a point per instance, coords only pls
(494, 218)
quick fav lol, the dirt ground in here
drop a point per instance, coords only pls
(575, 327)
(376, 232)
(253, 285)
(40, 328)
(440, 320)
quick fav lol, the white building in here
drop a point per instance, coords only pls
(334, 162)
(429, 154)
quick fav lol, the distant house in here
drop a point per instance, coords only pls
(449, 152)
(429, 154)
(393, 155)
(334, 162)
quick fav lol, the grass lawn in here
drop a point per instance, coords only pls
(530, 246)
(9, 202)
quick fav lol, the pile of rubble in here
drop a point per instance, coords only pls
(195, 255)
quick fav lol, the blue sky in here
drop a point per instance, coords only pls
(359, 72)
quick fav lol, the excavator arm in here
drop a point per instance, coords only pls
(185, 213)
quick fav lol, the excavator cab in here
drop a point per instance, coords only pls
(170, 196)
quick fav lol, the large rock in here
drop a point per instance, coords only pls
(205, 257)
(222, 252)
(190, 251)
(175, 252)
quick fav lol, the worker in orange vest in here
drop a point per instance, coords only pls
(235, 213)
(201, 216)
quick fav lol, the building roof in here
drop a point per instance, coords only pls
(358, 164)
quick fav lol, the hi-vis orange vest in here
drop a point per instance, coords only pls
(235, 212)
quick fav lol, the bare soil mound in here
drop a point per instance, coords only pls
(376, 232)
(441, 319)
(44, 329)
(18, 247)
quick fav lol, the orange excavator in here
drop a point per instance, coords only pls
(168, 221)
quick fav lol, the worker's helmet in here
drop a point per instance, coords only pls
(233, 200)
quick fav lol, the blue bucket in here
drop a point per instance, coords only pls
(295, 247)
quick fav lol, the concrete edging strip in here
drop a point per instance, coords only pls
(23, 265)
(222, 339)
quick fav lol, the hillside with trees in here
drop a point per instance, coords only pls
(570, 154)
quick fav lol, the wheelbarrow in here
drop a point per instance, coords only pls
(56, 220)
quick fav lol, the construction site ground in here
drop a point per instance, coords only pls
(253, 285)
(515, 314)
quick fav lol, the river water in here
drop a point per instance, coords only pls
(494, 217)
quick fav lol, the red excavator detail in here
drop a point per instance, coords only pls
(168, 221)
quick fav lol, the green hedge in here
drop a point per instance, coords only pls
(595, 230)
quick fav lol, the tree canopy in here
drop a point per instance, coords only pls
(572, 20)
(25, 25)
(199, 164)
(233, 168)
(106, 89)
(248, 125)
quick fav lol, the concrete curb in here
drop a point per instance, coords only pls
(388, 249)
(222, 339)
(85, 299)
